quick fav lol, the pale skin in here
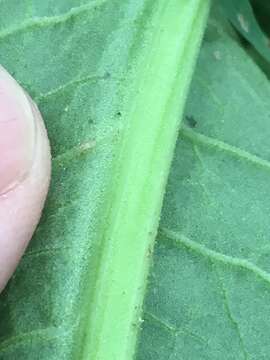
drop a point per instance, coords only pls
(25, 166)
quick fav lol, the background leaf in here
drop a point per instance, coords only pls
(209, 293)
(241, 14)
(262, 12)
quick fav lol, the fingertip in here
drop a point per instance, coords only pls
(25, 166)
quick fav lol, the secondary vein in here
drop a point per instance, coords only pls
(39, 22)
(225, 147)
(181, 240)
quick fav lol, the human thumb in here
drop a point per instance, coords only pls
(24, 172)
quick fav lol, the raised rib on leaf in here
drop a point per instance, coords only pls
(209, 291)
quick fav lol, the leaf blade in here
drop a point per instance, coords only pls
(52, 306)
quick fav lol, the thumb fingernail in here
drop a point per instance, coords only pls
(17, 133)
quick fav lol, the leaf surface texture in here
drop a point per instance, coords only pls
(209, 293)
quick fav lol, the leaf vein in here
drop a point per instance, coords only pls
(40, 22)
(182, 240)
(45, 334)
(46, 251)
(198, 138)
(231, 317)
(78, 81)
(171, 328)
(164, 324)
(75, 151)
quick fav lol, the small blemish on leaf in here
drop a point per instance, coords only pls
(138, 325)
(87, 146)
(243, 22)
(217, 55)
(150, 251)
(191, 121)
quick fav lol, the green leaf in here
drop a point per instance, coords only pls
(209, 290)
(242, 17)
(262, 12)
(111, 79)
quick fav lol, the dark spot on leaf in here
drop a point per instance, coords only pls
(191, 121)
